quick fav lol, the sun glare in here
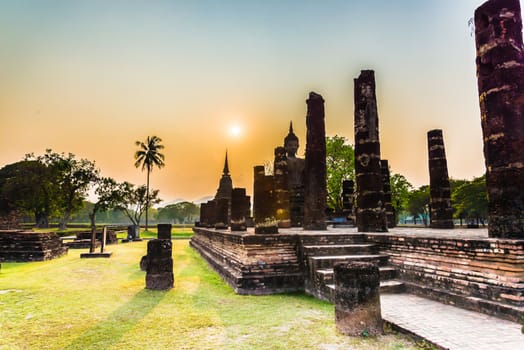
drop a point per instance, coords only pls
(235, 130)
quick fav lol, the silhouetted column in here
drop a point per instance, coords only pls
(441, 212)
(211, 214)
(239, 209)
(370, 211)
(203, 215)
(357, 299)
(159, 265)
(390, 212)
(281, 188)
(263, 202)
(315, 192)
(222, 213)
(500, 73)
(348, 198)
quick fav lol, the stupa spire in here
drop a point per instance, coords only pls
(226, 166)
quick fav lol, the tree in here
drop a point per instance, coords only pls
(148, 156)
(340, 165)
(133, 201)
(30, 187)
(181, 212)
(400, 192)
(418, 203)
(109, 196)
(72, 177)
(470, 199)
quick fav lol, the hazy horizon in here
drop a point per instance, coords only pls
(91, 78)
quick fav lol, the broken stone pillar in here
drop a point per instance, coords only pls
(159, 265)
(370, 211)
(281, 192)
(357, 299)
(348, 199)
(222, 213)
(239, 209)
(263, 202)
(164, 231)
(441, 212)
(388, 205)
(315, 191)
(500, 74)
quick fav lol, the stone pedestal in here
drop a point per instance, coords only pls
(164, 231)
(390, 212)
(370, 211)
(357, 299)
(159, 265)
(441, 212)
(315, 191)
(500, 73)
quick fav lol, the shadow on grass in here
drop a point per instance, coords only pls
(106, 333)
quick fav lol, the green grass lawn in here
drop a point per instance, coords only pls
(73, 303)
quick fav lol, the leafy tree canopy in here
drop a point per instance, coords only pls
(340, 165)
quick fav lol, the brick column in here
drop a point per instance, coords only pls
(390, 211)
(500, 74)
(282, 209)
(239, 209)
(370, 211)
(441, 212)
(315, 191)
(159, 266)
(263, 202)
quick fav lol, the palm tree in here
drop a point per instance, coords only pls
(148, 156)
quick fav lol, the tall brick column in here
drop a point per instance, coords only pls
(388, 205)
(370, 211)
(263, 202)
(441, 215)
(315, 191)
(280, 177)
(239, 209)
(500, 74)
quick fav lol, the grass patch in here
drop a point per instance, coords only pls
(73, 303)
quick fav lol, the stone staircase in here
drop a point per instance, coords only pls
(320, 252)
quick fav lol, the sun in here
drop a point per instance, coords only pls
(235, 130)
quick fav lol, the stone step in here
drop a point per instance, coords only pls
(332, 238)
(340, 249)
(319, 262)
(325, 276)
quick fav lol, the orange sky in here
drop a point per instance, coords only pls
(93, 77)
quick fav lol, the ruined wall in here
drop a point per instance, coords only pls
(23, 246)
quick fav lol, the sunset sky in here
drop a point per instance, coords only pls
(92, 77)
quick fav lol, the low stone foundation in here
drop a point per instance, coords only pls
(23, 246)
(252, 264)
(480, 274)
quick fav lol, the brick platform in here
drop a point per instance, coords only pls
(460, 267)
(22, 246)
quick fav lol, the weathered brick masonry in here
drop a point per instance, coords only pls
(485, 275)
(21, 246)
